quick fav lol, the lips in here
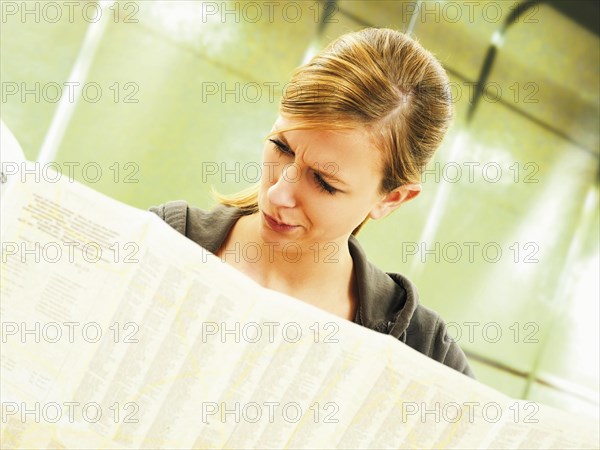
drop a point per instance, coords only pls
(278, 222)
(275, 225)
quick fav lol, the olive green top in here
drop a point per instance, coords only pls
(388, 302)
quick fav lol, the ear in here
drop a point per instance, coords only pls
(394, 199)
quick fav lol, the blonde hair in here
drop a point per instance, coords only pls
(378, 79)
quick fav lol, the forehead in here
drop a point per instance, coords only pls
(351, 150)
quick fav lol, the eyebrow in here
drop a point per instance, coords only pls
(323, 174)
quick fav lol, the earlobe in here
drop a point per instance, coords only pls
(375, 213)
(385, 206)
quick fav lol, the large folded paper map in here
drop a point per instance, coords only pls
(118, 332)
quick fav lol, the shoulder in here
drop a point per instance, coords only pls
(207, 228)
(389, 303)
(174, 213)
(427, 332)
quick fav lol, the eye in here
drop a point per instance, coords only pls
(323, 184)
(281, 147)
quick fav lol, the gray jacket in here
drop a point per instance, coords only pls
(388, 302)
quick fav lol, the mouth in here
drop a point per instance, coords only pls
(278, 226)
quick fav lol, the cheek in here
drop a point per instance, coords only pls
(330, 214)
(348, 213)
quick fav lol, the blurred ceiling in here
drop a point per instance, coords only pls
(585, 12)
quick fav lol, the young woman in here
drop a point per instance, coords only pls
(356, 128)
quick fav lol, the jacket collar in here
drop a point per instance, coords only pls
(387, 301)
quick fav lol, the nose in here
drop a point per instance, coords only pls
(284, 192)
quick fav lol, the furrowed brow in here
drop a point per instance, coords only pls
(328, 176)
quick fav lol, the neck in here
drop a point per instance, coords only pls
(319, 274)
(294, 265)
